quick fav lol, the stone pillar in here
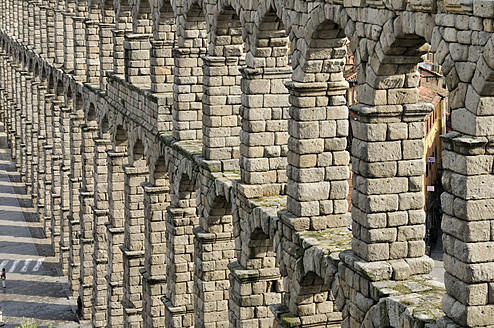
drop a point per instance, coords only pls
(45, 168)
(388, 220)
(264, 134)
(136, 58)
(56, 186)
(43, 30)
(133, 247)
(220, 110)
(68, 41)
(255, 278)
(30, 125)
(34, 139)
(214, 250)
(161, 66)
(38, 26)
(75, 179)
(118, 52)
(468, 260)
(100, 217)
(65, 189)
(187, 95)
(115, 237)
(86, 198)
(467, 202)
(58, 20)
(105, 52)
(156, 200)
(92, 51)
(179, 269)
(31, 21)
(80, 64)
(50, 35)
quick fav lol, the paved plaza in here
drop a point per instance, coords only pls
(35, 287)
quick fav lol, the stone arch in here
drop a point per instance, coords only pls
(164, 22)
(142, 17)
(120, 139)
(269, 40)
(226, 37)
(91, 115)
(104, 128)
(138, 154)
(123, 15)
(108, 11)
(59, 88)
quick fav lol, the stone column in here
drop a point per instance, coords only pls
(214, 249)
(264, 134)
(136, 58)
(105, 52)
(388, 220)
(65, 189)
(50, 35)
(467, 202)
(179, 270)
(86, 198)
(30, 126)
(255, 278)
(56, 186)
(92, 51)
(43, 30)
(100, 217)
(45, 167)
(133, 247)
(115, 237)
(118, 52)
(187, 95)
(68, 41)
(30, 9)
(161, 63)
(75, 179)
(220, 110)
(80, 64)
(34, 139)
(59, 36)
(37, 37)
(156, 200)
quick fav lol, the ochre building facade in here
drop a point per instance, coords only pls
(188, 158)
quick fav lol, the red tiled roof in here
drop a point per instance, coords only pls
(432, 94)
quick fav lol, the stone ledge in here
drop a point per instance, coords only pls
(210, 237)
(131, 254)
(152, 280)
(111, 229)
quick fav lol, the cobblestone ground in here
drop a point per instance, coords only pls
(35, 287)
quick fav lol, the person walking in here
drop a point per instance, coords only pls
(3, 276)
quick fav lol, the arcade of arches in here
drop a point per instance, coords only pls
(189, 161)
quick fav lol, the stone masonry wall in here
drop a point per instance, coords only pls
(189, 159)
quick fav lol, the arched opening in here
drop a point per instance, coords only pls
(120, 140)
(143, 21)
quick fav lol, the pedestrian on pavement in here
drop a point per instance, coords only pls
(3, 276)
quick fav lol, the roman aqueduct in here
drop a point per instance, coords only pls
(190, 173)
